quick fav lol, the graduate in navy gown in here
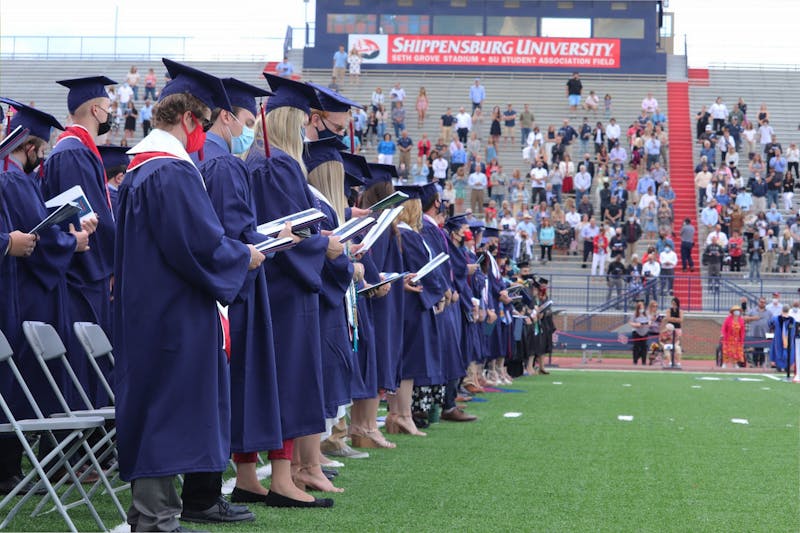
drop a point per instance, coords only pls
(364, 431)
(76, 160)
(173, 263)
(280, 189)
(420, 361)
(782, 349)
(255, 409)
(115, 162)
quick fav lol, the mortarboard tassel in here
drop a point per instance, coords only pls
(10, 115)
(264, 131)
(352, 143)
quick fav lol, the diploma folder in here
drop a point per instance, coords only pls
(385, 220)
(393, 199)
(74, 195)
(353, 227)
(389, 278)
(274, 245)
(432, 265)
(65, 212)
(300, 220)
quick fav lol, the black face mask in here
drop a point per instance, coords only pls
(29, 165)
(492, 248)
(104, 127)
(327, 134)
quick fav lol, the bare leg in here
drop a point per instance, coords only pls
(281, 481)
(308, 471)
(399, 419)
(247, 479)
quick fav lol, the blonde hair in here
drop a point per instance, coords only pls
(412, 214)
(328, 178)
(283, 130)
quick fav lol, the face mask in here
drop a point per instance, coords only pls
(104, 127)
(242, 143)
(737, 313)
(775, 302)
(29, 165)
(303, 133)
(196, 139)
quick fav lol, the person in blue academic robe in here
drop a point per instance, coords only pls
(463, 268)
(420, 362)
(173, 263)
(280, 189)
(781, 351)
(115, 162)
(75, 160)
(255, 408)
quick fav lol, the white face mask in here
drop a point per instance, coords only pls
(775, 302)
(737, 313)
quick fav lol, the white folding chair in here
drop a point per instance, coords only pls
(77, 432)
(47, 346)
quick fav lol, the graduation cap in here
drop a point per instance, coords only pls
(114, 156)
(523, 264)
(428, 192)
(455, 223)
(350, 181)
(84, 89)
(476, 226)
(332, 101)
(243, 94)
(321, 151)
(290, 93)
(185, 79)
(414, 192)
(380, 173)
(36, 121)
(491, 232)
(357, 166)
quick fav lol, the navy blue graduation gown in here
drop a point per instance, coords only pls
(255, 408)
(280, 189)
(779, 355)
(364, 384)
(420, 359)
(173, 262)
(449, 320)
(477, 283)
(386, 311)
(458, 266)
(113, 195)
(42, 283)
(88, 277)
(337, 347)
(9, 311)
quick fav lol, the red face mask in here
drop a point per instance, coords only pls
(196, 139)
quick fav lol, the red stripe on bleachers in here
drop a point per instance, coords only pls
(681, 175)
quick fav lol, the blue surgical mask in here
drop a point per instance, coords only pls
(242, 143)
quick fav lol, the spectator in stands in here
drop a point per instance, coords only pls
(585, 135)
(765, 133)
(131, 117)
(404, 146)
(377, 98)
(538, 181)
(652, 149)
(146, 116)
(651, 270)
(592, 103)
(399, 118)
(509, 122)
(759, 189)
(458, 155)
(339, 64)
(658, 118)
(774, 219)
(397, 94)
(132, 79)
(701, 121)
(784, 252)
(150, 85)
(334, 85)
(500, 184)
(563, 232)
(460, 185)
(666, 194)
(599, 137)
(709, 153)
(526, 119)
(668, 260)
(386, 150)
(495, 129)
(582, 183)
(585, 207)
(615, 278)
(664, 218)
(547, 237)
(477, 94)
(477, 182)
(463, 125)
(354, 60)
(380, 118)
(284, 69)
(763, 114)
(719, 114)
(618, 154)
(613, 133)
(649, 217)
(555, 179)
(574, 90)
(649, 103)
(447, 121)
(612, 215)
(588, 233)
(422, 107)
(568, 134)
(439, 167)
(423, 149)
(599, 252)
(617, 244)
(124, 94)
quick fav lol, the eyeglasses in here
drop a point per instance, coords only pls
(337, 128)
(204, 122)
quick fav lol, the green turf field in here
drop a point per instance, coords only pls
(567, 463)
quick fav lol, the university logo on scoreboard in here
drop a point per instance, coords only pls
(487, 51)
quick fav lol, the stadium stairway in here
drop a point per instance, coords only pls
(682, 179)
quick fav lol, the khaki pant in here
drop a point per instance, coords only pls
(405, 158)
(447, 133)
(338, 73)
(476, 200)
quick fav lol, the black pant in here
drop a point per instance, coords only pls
(588, 248)
(736, 263)
(10, 457)
(794, 165)
(547, 251)
(686, 254)
(146, 127)
(450, 394)
(462, 134)
(538, 195)
(639, 348)
(201, 490)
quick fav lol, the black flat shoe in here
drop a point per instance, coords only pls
(330, 473)
(245, 496)
(273, 499)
